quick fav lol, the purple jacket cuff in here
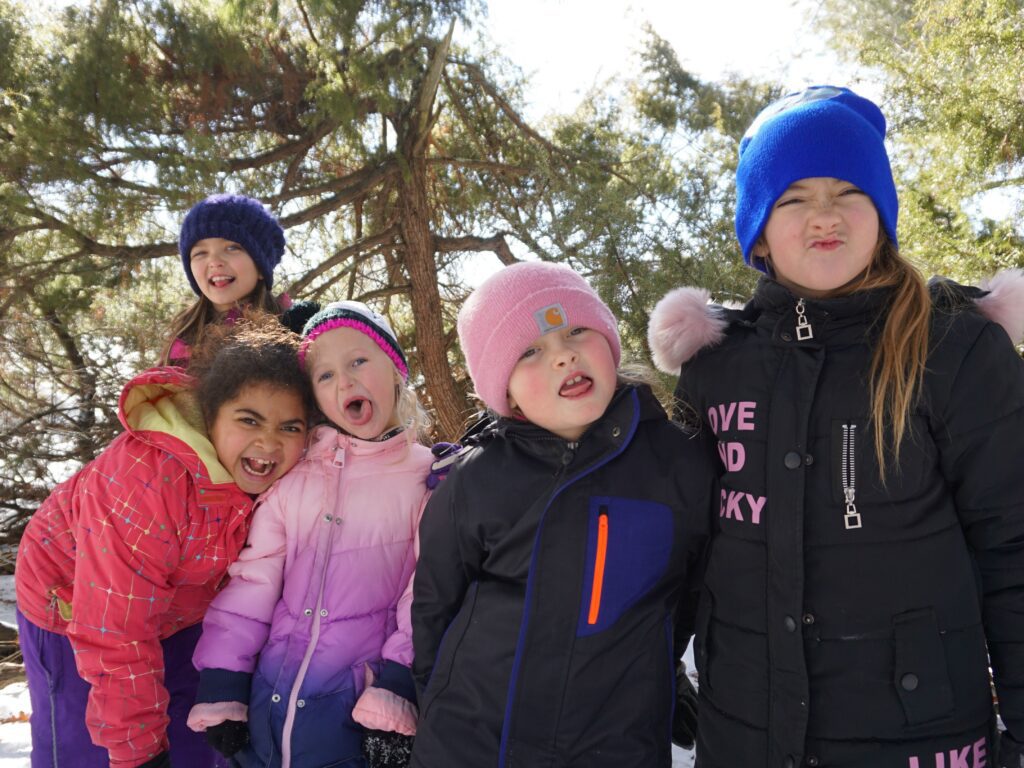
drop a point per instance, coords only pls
(396, 678)
(223, 685)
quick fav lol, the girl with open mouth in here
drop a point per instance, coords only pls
(311, 640)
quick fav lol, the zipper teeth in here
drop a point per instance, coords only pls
(849, 467)
(851, 518)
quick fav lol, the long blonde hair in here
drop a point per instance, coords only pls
(190, 324)
(410, 412)
(898, 362)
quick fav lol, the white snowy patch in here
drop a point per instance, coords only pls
(7, 617)
(15, 739)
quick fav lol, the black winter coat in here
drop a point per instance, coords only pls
(545, 588)
(844, 621)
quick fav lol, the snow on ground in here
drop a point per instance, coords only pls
(7, 617)
(15, 741)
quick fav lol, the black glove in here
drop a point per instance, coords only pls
(227, 737)
(163, 760)
(387, 749)
(684, 719)
(1011, 753)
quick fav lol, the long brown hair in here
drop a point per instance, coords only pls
(190, 324)
(898, 362)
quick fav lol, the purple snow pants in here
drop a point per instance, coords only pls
(58, 695)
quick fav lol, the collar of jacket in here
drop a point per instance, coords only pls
(630, 403)
(327, 440)
(774, 308)
(158, 407)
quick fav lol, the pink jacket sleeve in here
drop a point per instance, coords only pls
(237, 623)
(398, 646)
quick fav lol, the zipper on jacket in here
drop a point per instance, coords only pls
(803, 325)
(851, 517)
(599, 561)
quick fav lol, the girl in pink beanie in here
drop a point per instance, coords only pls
(555, 554)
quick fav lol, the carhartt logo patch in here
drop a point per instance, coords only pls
(550, 318)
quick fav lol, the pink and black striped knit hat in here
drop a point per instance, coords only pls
(355, 314)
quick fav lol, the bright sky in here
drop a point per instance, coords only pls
(567, 47)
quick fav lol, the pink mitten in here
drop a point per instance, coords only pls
(206, 715)
(382, 710)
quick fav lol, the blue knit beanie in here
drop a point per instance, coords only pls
(821, 131)
(237, 218)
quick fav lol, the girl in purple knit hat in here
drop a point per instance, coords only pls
(554, 555)
(229, 246)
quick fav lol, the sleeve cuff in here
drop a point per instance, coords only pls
(223, 685)
(397, 678)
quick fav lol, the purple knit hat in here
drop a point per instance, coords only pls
(241, 220)
(355, 314)
(512, 308)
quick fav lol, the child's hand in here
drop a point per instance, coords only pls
(684, 720)
(228, 737)
(386, 749)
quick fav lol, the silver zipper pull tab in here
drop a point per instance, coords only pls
(803, 325)
(851, 517)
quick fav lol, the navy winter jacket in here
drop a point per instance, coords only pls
(545, 590)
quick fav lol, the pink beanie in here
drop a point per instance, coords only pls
(515, 306)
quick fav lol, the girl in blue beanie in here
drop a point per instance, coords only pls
(229, 246)
(868, 560)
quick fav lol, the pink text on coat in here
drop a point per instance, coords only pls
(733, 455)
(972, 756)
(721, 416)
(733, 502)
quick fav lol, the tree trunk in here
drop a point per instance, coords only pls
(414, 224)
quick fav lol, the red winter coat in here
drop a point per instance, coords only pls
(131, 550)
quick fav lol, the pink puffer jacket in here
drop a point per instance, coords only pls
(321, 594)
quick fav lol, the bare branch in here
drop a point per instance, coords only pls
(305, 19)
(496, 243)
(361, 246)
(91, 246)
(480, 165)
(367, 179)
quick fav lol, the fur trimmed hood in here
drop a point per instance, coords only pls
(684, 321)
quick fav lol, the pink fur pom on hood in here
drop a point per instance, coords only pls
(1004, 303)
(682, 324)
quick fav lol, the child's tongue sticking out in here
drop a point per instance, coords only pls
(359, 411)
(576, 386)
(357, 368)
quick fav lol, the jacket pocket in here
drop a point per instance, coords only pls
(702, 650)
(629, 546)
(324, 733)
(920, 673)
(856, 471)
(440, 675)
(266, 716)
